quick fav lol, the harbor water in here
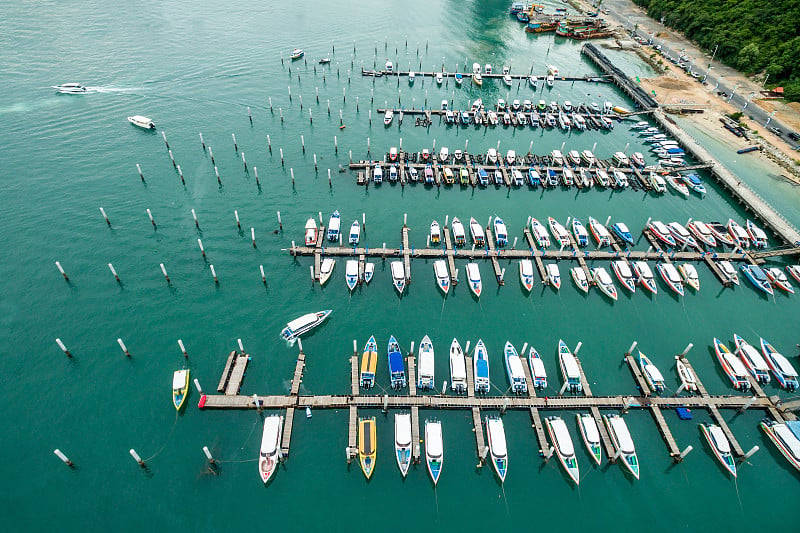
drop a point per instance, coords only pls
(197, 67)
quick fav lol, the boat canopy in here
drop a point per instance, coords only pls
(179, 379)
(720, 441)
(562, 437)
(402, 429)
(783, 364)
(473, 272)
(482, 368)
(303, 321)
(441, 269)
(538, 367)
(794, 427)
(498, 437)
(620, 429)
(458, 367)
(590, 429)
(311, 224)
(426, 364)
(269, 439)
(396, 362)
(368, 447)
(515, 365)
(333, 224)
(754, 357)
(737, 367)
(788, 439)
(433, 439)
(527, 267)
(653, 372)
(398, 270)
(570, 366)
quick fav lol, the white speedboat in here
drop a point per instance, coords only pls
(369, 271)
(624, 274)
(588, 157)
(644, 276)
(553, 275)
(729, 271)
(436, 233)
(623, 444)
(538, 372)
(794, 271)
(496, 435)
(662, 232)
(580, 233)
(459, 234)
(685, 374)
(681, 234)
(474, 278)
(480, 369)
(600, 232)
(783, 370)
(604, 282)
(671, 277)
(540, 233)
(560, 233)
(270, 452)
(720, 446)
(458, 368)
(311, 232)
(142, 122)
(402, 441)
(752, 359)
(677, 184)
(738, 233)
(477, 233)
(702, 232)
(355, 232)
(325, 270)
(70, 88)
(653, 376)
(439, 78)
(511, 157)
(779, 279)
(351, 274)
(388, 116)
(562, 442)
(399, 276)
(514, 370)
(425, 364)
(784, 439)
(580, 278)
(689, 274)
(526, 274)
(591, 436)
(500, 232)
(334, 223)
(757, 235)
(569, 368)
(434, 451)
(442, 277)
(297, 53)
(302, 325)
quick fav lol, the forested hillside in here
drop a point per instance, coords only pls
(754, 36)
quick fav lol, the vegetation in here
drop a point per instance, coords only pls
(756, 37)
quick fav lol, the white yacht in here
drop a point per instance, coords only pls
(402, 441)
(270, 453)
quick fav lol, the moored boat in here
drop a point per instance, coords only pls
(685, 374)
(302, 325)
(623, 444)
(553, 275)
(677, 184)
(569, 368)
(180, 387)
(591, 436)
(781, 367)
(729, 271)
(458, 368)
(270, 453)
(757, 235)
(434, 451)
(540, 233)
(580, 233)
(757, 277)
(436, 233)
(526, 274)
(297, 53)
(671, 277)
(397, 369)
(334, 223)
(794, 271)
(425, 364)
(311, 232)
(622, 231)
(720, 233)
(604, 282)
(720, 446)
(459, 234)
(651, 373)
(778, 279)
(733, 367)
(398, 276)
(355, 232)
(481, 368)
(496, 435)
(369, 364)
(784, 439)
(388, 116)
(580, 278)
(474, 278)
(500, 232)
(477, 233)
(538, 372)
(326, 269)
(752, 359)
(559, 232)
(367, 445)
(369, 271)
(644, 276)
(702, 232)
(351, 274)
(738, 233)
(562, 442)
(402, 441)
(690, 276)
(514, 370)
(600, 232)
(692, 180)
(624, 274)
(442, 277)
(681, 235)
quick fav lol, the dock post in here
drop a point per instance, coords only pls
(63, 348)
(746, 456)
(208, 453)
(137, 458)
(63, 458)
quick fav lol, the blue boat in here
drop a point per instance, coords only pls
(552, 177)
(523, 17)
(757, 278)
(483, 177)
(397, 369)
(533, 177)
(693, 182)
(481, 370)
(622, 231)
(459, 78)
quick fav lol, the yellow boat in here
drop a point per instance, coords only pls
(180, 387)
(367, 445)
(369, 364)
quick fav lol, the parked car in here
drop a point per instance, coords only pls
(793, 136)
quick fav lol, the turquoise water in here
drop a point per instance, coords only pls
(196, 68)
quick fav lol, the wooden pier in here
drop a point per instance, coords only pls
(415, 448)
(231, 381)
(450, 255)
(480, 441)
(492, 255)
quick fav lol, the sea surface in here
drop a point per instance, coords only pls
(196, 67)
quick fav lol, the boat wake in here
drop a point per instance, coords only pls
(112, 89)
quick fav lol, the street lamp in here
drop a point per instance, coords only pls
(733, 92)
(707, 71)
(718, 80)
(770, 118)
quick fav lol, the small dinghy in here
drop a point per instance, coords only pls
(591, 436)
(474, 278)
(398, 276)
(526, 274)
(604, 282)
(326, 269)
(720, 446)
(351, 274)
(562, 442)
(580, 278)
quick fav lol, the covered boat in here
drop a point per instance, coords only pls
(653, 376)
(142, 122)
(355, 232)
(690, 276)
(671, 277)
(662, 232)
(514, 370)
(685, 374)
(500, 232)
(720, 446)
(270, 453)
(738, 233)
(784, 439)
(778, 279)
(553, 275)
(538, 372)
(458, 368)
(781, 367)
(733, 367)
(729, 271)
(757, 235)
(436, 234)
(622, 231)
(333, 226)
(580, 278)
(540, 233)
(623, 443)
(600, 232)
(681, 234)
(526, 274)
(304, 324)
(442, 277)
(402, 441)
(477, 233)
(604, 282)
(434, 450)
(720, 233)
(398, 276)
(425, 364)
(459, 234)
(624, 274)
(757, 277)
(562, 442)
(702, 232)
(569, 368)
(397, 369)
(591, 436)
(644, 276)
(496, 435)
(752, 359)
(369, 364)
(367, 445)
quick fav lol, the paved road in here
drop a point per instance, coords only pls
(628, 15)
